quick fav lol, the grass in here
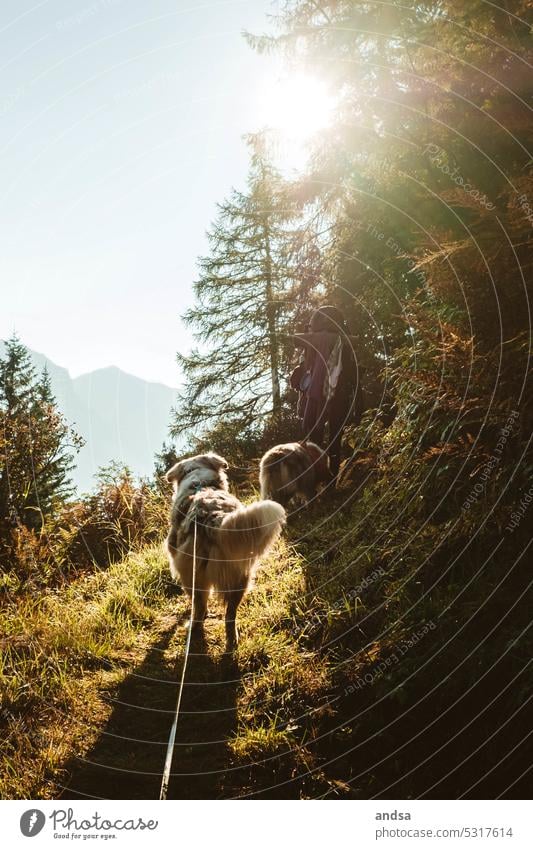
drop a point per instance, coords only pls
(282, 676)
(374, 660)
(58, 651)
(369, 647)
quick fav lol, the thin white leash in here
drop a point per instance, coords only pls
(172, 736)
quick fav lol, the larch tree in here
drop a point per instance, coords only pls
(244, 303)
(427, 164)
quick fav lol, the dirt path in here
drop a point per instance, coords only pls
(126, 762)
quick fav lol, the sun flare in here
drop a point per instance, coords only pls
(296, 107)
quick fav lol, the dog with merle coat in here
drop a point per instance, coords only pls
(293, 469)
(231, 538)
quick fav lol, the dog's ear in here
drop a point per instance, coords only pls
(216, 462)
(174, 474)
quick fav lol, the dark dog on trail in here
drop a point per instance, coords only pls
(292, 469)
(230, 537)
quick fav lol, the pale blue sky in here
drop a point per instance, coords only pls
(121, 125)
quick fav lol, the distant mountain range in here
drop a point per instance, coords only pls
(120, 417)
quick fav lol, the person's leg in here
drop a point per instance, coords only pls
(337, 418)
(314, 421)
(334, 449)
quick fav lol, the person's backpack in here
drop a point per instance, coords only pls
(300, 378)
(333, 371)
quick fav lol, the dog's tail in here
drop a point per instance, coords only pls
(274, 475)
(249, 532)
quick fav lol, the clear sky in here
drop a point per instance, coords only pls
(121, 125)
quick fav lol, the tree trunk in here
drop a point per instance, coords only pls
(271, 326)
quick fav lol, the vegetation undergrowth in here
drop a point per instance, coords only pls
(59, 649)
(357, 655)
(364, 643)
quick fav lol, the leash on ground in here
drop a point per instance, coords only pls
(172, 736)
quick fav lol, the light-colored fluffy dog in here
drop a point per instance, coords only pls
(291, 469)
(230, 537)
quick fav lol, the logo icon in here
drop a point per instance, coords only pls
(32, 822)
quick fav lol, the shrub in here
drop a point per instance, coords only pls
(96, 530)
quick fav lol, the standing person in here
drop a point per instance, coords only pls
(328, 381)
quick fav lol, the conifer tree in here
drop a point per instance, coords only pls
(427, 166)
(243, 305)
(36, 444)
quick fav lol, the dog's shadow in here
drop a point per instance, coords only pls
(127, 759)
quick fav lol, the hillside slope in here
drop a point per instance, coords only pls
(375, 661)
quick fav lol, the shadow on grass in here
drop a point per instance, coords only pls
(127, 760)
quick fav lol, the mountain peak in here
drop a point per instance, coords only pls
(119, 415)
(116, 372)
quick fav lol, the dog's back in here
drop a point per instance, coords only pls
(211, 527)
(292, 469)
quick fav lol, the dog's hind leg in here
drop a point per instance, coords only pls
(200, 608)
(308, 494)
(283, 498)
(201, 596)
(233, 598)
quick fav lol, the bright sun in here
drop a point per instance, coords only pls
(296, 107)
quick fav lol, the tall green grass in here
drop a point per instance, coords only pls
(57, 649)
